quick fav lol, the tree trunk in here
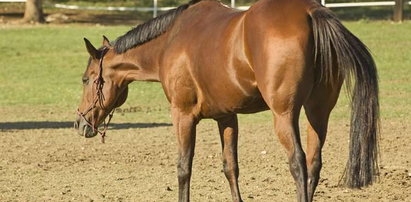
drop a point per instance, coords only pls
(399, 10)
(34, 12)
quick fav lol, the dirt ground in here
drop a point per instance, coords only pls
(47, 161)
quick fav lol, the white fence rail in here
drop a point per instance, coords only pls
(110, 8)
(358, 4)
(12, 1)
(155, 7)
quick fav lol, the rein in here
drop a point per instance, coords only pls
(98, 99)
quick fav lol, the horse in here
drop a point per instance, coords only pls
(215, 62)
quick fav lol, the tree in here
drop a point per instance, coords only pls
(33, 12)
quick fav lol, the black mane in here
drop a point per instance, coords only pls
(149, 30)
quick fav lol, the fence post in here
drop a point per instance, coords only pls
(232, 3)
(398, 10)
(155, 8)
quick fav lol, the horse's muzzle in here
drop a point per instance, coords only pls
(83, 129)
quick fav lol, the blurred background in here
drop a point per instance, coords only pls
(132, 11)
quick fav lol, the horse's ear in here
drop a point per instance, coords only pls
(106, 42)
(90, 49)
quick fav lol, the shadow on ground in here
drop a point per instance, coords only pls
(65, 124)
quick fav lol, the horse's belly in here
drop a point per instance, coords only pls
(253, 105)
(215, 106)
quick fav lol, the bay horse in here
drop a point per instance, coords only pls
(215, 62)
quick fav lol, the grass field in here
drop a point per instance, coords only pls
(40, 88)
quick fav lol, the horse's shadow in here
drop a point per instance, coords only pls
(27, 125)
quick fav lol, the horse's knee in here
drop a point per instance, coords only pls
(230, 170)
(183, 175)
(184, 170)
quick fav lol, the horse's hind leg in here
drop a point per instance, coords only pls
(317, 108)
(285, 89)
(228, 128)
(286, 128)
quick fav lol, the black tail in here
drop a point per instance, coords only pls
(338, 49)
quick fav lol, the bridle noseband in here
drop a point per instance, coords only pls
(99, 98)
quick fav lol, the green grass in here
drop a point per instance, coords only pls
(42, 65)
(391, 47)
(41, 68)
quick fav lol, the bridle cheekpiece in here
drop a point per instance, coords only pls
(98, 99)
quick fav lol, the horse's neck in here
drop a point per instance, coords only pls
(145, 59)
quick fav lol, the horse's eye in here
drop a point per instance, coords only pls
(85, 80)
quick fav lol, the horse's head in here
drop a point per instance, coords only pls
(104, 88)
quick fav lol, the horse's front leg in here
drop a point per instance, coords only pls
(185, 126)
(228, 128)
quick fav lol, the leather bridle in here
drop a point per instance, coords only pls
(98, 99)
